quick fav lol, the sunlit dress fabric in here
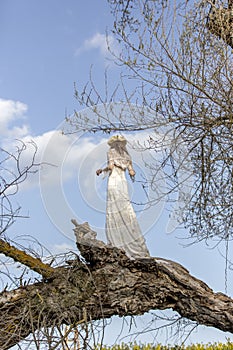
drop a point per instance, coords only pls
(122, 228)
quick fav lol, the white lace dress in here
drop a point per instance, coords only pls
(122, 228)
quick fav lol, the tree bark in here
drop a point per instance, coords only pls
(108, 283)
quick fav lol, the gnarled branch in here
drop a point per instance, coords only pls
(109, 283)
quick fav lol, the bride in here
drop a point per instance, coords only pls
(122, 228)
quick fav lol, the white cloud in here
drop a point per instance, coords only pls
(64, 152)
(61, 158)
(63, 247)
(12, 112)
(99, 42)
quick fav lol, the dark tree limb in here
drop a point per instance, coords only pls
(108, 283)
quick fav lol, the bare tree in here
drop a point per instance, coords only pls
(179, 58)
(13, 172)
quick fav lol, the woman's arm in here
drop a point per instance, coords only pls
(109, 167)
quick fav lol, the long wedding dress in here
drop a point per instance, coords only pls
(122, 228)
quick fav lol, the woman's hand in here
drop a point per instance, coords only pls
(132, 172)
(98, 172)
(110, 166)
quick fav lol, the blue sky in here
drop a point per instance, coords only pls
(46, 46)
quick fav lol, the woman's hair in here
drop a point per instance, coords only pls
(120, 147)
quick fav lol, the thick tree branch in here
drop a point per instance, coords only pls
(22, 257)
(109, 283)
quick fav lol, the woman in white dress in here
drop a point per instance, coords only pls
(122, 228)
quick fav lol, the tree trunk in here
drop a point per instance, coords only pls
(108, 283)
